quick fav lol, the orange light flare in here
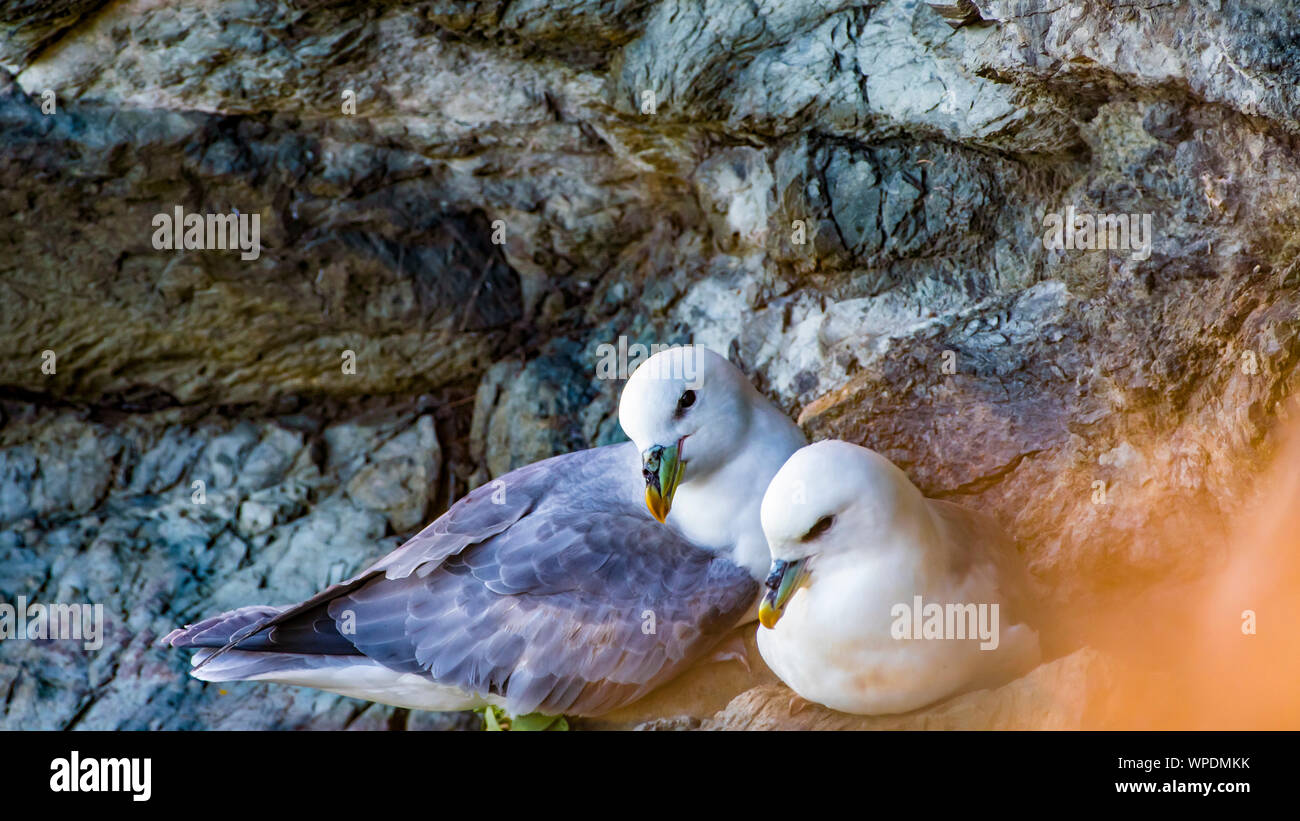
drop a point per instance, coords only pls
(1184, 654)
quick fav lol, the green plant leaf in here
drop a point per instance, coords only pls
(533, 722)
(496, 719)
(490, 721)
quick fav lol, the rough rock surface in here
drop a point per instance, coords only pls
(847, 198)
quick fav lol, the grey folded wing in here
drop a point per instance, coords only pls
(549, 588)
(589, 617)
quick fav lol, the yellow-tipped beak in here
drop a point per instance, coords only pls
(661, 466)
(785, 578)
(658, 505)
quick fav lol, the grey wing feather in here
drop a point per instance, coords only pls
(550, 587)
(217, 631)
(475, 516)
(592, 618)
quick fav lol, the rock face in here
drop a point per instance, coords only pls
(460, 204)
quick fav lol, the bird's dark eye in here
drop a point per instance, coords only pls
(823, 525)
(687, 399)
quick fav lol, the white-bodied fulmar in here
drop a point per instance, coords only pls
(881, 600)
(551, 589)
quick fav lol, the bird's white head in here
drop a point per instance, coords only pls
(829, 498)
(689, 411)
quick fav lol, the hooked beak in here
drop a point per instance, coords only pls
(661, 466)
(785, 578)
